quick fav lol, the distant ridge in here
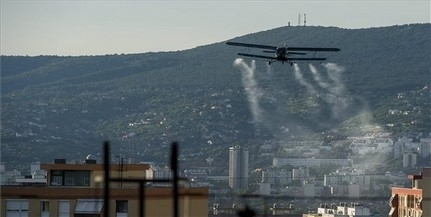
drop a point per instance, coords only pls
(68, 105)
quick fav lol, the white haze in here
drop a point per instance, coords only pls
(325, 83)
(250, 85)
(334, 92)
(302, 81)
(317, 77)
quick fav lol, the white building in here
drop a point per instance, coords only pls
(354, 190)
(34, 167)
(404, 144)
(238, 167)
(425, 147)
(276, 176)
(409, 160)
(264, 188)
(160, 173)
(368, 144)
(309, 162)
(309, 190)
(355, 176)
(2, 167)
(343, 210)
(300, 173)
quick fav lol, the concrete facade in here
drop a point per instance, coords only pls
(75, 190)
(238, 168)
(414, 201)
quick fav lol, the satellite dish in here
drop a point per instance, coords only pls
(90, 157)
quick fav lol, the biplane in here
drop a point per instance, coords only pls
(285, 53)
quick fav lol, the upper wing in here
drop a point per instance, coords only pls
(251, 45)
(313, 49)
(258, 56)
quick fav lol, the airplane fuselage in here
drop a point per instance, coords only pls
(281, 54)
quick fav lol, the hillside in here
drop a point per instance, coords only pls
(66, 106)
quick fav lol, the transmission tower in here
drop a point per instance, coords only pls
(299, 19)
(305, 19)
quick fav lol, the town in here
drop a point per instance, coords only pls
(302, 179)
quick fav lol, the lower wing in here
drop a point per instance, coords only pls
(257, 56)
(313, 49)
(306, 59)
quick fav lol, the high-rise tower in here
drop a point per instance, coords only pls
(238, 167)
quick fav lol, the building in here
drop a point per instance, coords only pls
(425, 147)
(342, 210)
(414, 201)
(77, 190)
(277, 176)
(232, 210)
(198, 177)
(409, 160)
(309, 162)
(405, 145)
(161, 173)
(309, 189)
(238, 168)
(280, 210)
(264, 188)
(300, 173)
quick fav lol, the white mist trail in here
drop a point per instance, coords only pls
(334, 73)
(250, 85)
(301, 80)
(268, 71)
(317, 77)
(338, 89)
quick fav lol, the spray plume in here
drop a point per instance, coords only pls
(334, 73)
(301, 80)
(337, 90)
(250, 86)
(317, 77)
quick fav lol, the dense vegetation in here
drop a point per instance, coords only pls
(54, 107)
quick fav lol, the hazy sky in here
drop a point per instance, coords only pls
(78, 27)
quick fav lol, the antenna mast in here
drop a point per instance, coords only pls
(299, 19)
(305, 19)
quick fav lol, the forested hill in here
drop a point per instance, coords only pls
(54, 106)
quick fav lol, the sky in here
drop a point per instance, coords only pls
(99, 27)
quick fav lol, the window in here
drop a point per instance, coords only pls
(86, 181)
(410, 201)
(57, 178)
(121, 208)
(70, 178)
(44, 208)
(69, 182)
(63, 208)
(88, 207)
(403, 201)
(16, 208)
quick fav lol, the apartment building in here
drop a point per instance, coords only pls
(414, 201)
(342, 210)
(77, 190)
(238, 167)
